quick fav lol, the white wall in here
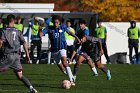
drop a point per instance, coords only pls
(117, 40)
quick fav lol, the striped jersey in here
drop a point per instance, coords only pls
(56, 36)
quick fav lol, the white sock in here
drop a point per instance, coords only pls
(94, 70)
(69, 73)
(31, 87)
(64, 72)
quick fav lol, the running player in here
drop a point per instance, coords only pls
(91, 51)
(58, 43)
(10, 41)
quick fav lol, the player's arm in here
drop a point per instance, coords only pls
(101, 49)
(25, 46)
(73, 55)
(1, 43)
(72, 34)
(75, 51)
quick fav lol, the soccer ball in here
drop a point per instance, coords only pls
(66, 84)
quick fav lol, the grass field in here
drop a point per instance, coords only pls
(47, 78)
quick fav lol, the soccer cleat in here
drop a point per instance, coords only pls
(74, 78)
(108, 75)
(72, 83)
(95, 75)
(33, 90)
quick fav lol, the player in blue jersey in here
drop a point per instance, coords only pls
(58, 43)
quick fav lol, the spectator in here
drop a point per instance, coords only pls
(101, 33)
(18, 25)
(69, 39)
(35, 40)
(133, 40)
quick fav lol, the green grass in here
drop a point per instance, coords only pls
(47, 79)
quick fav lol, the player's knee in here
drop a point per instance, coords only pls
(19, 74)
(99, 66)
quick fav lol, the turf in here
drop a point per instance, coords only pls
(47, 79)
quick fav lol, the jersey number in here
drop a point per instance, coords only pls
(56, 35)
(14, 35)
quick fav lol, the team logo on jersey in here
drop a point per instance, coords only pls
(60, 31)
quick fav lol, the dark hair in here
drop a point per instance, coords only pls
(82, 22)
(68, 21)
(80, 34)
(10, 18)
(56, 17)
(132, 22)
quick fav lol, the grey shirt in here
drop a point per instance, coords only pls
(13, 39)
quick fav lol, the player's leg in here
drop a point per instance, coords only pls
(80, 59)
(62, 68)
(25, 81)
(38, 51)
(106, 52)
(130, 52)
(136, 47)
(92, 66)
(104, 69)
(32, 51)
(65, 64)
(16, 65)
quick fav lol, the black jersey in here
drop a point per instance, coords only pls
(13, 39)
(90, 46)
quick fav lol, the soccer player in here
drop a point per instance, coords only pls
(58, 43)
(10, 42)
(83, 27)
(91, 51)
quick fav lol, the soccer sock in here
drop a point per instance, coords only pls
(75, 70)
(94, 70)
(26, 82)
(64, 72)
(69, 73)
(104, 69)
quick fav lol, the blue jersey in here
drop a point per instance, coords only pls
(56, 36)
(86, 31)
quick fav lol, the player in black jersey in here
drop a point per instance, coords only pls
(91, 51)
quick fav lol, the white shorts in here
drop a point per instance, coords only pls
(58, 55)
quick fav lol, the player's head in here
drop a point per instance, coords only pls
(99, 23)
(133, 23)
(18, 19)
(10, 19)
(68, 23)
(82, 36)
(56, 20)
(82, 24)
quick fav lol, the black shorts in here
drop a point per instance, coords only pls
(12, 61)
